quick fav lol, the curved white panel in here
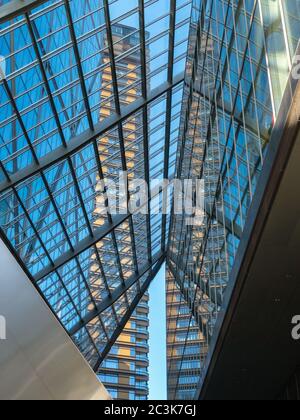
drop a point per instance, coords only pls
(38, 361)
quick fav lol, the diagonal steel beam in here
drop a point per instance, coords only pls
(169, 111)
(116, 294)
(79, 64)
(145, 88)
(87, 137)
(82, 246)
(129, 313)
(17, 7)
(120, 132)
(46, 81)
(90, 241)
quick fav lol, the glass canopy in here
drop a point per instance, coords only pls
(89, 88)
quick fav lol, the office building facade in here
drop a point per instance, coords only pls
(186, 347)
(124, 372)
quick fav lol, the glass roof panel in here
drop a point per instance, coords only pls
(91, 89)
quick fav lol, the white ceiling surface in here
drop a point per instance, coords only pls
(38, 361)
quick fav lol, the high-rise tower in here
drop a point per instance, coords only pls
(124, 372)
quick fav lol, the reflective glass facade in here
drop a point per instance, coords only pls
(124, 371)
(242, 61)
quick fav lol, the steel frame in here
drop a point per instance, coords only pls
(115, 295)
(78, 143)
(17, 7)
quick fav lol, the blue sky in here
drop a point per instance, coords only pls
(157, 342)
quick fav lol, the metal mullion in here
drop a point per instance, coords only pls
(147, 178)
(17, 7)
(118, 109)
(56, 117)
(113, 234)
(102, 271)
(187, 262)
(68, 124)
(46, 83)
(88, 242)
(101, 175)
(111, 56)
(198, 47)
(194, 123)
(82, 246)
(187, 331)
(166, 162)
(130, 219)
(56, 210)
(195, 281)
(54, 81)
(229, 49)
(54, 33)
(120, 127)
(113, 309)
(188, 111)
(133, 244)
(193, 78)
(85, 282)
(88, 13)
(77, 312)
(124, 16)
(86, 217)
(47, 56)
(78, 61)
(222, 175)
(33, 227)
(87, 137)
(45, 79)
(4, 171)
(19, 119)
(191, 95)
(60, 90)
(104, 329)
(116, 295)
(143, 48)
